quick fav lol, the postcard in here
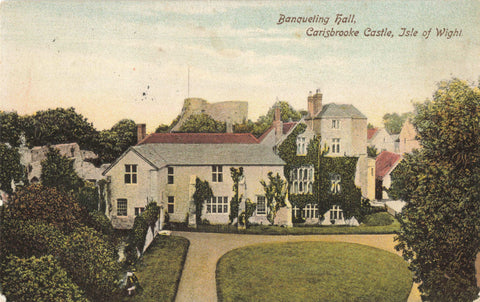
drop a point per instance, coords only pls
(259, 74)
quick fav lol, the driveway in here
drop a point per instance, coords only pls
(198, 277)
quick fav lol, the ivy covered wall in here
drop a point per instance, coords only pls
(349, 196)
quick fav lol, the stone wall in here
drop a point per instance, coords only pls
(229, 111)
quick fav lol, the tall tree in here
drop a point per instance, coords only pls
(440, 224)
(126, 131)
(393, 122)
(58, 172)
(10, 167)
(287, 113)
(118, 139)
(202, 123)
(60, 125)
(10, 128)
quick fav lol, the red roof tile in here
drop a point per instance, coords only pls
(371, 132)
(288, 126)
(199, 138)
(385, 162)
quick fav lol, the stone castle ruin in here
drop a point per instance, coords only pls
(231, 112)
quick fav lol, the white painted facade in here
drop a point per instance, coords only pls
(174, 191)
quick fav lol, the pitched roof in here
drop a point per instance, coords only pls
(208, 154)
(371, 132)
(385, 163)
(199, 138)
(285, 129)
(340, 110)
(288, 126)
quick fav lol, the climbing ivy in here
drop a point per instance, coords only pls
(349, 197)
(275, 194)
(202, 193)
(236, 174)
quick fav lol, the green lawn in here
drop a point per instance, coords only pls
(160, 269)
(312, 271)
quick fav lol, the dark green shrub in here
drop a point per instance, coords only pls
(151, 214)
(88, 197)
(38, 279)
(136, 236)
(101, 223)
(44, 204)
(381, 218)
(92, 263)
(30, 238)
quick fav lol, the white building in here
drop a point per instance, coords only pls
(163, 167)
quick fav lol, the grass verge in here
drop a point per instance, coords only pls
(296, 230)
(160, 269)
(312, 271)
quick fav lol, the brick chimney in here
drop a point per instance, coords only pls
(315, 103)
(141, 132)
(277, 123)
(310, 104)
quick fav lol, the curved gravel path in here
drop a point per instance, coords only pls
(198, 277)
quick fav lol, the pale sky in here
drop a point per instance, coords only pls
(101, 57)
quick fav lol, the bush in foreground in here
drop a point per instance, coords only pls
(378, 219)
(38, 279)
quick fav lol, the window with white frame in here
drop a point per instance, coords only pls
(139, 210)
(336, 124)
(130, 174)
(261, 205)
(301, 145)
(217, 174)
(336, 213)
(171, 175)
(335, 145)
(296, 212)
(217, 205)
(335, 186)
(310, 211)
(171, 204)
(122, 207)
(301, 180)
